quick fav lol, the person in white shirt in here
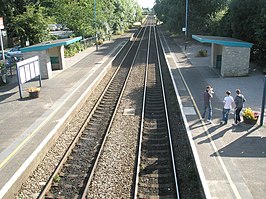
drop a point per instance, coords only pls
(228, 102)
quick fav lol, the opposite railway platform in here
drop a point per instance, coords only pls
(231, 159)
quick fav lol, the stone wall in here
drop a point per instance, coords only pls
(235, 61)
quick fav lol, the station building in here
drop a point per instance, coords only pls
(231, 56)
(51, 55)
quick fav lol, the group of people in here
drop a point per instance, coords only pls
(229, 102)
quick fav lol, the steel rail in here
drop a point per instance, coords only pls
(167, 118)
(142, 120)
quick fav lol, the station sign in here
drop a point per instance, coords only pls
(2, 23)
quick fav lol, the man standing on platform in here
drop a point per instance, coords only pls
(228, 101)
(208, 94)
(239, 102)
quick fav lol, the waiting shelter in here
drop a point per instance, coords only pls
(230, 55)
(50, 53)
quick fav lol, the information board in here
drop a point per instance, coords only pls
(27, 70)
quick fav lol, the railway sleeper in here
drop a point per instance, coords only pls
(159, 135)
(158, 160)
(155, 133)
(156, 153)
(155, 139)
(96, 120)
(163, 186)
(162, 176)
(154, 95)
(140, 196)
(159, 169)
(153, 108)
(152, 126)
(91, 137)
(152, 146)
(98, 114)
(154, 116)
(160, 120)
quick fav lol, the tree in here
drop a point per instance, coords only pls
(246, 20)
(172, 13)
(31, 25)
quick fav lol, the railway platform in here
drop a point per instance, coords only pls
(231, 159)
(27, 125)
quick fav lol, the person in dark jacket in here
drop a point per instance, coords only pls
(208, 94)
(239, 102)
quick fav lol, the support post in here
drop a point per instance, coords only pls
(263, 103)
(2, 45)
(95, 26)
(186, 25)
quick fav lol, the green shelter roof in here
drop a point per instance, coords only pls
(50, 44)
(225, 41)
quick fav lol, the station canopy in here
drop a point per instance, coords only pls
(225, 41)
(50, 44)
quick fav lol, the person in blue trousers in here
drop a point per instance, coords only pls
(228, 102)
(207, 96)
(239, 102)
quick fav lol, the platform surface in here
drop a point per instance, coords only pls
(231, 159)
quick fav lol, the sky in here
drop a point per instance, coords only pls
(146, 3)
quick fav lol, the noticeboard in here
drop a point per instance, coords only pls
(27, 70)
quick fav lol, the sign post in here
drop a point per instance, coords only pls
(1, 39)
(263, 102)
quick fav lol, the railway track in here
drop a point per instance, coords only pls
(155, 173)
(72, 177)
(88, 171)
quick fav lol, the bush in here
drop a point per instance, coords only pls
(249, 114)
(74, 48)
(202, 53)
(100, 42)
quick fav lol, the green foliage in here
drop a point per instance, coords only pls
(57, 178)
(246, 20)
(74, 48)
(32, 25)
(29, 19)
(173, 12)
(202, 53)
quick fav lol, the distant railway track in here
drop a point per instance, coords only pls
(72, 177)
(156, 175)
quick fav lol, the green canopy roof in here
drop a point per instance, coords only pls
(225, 41)
(50, 44)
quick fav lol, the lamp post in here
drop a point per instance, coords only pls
(186, 24)
(95, 26)
(263, 102)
